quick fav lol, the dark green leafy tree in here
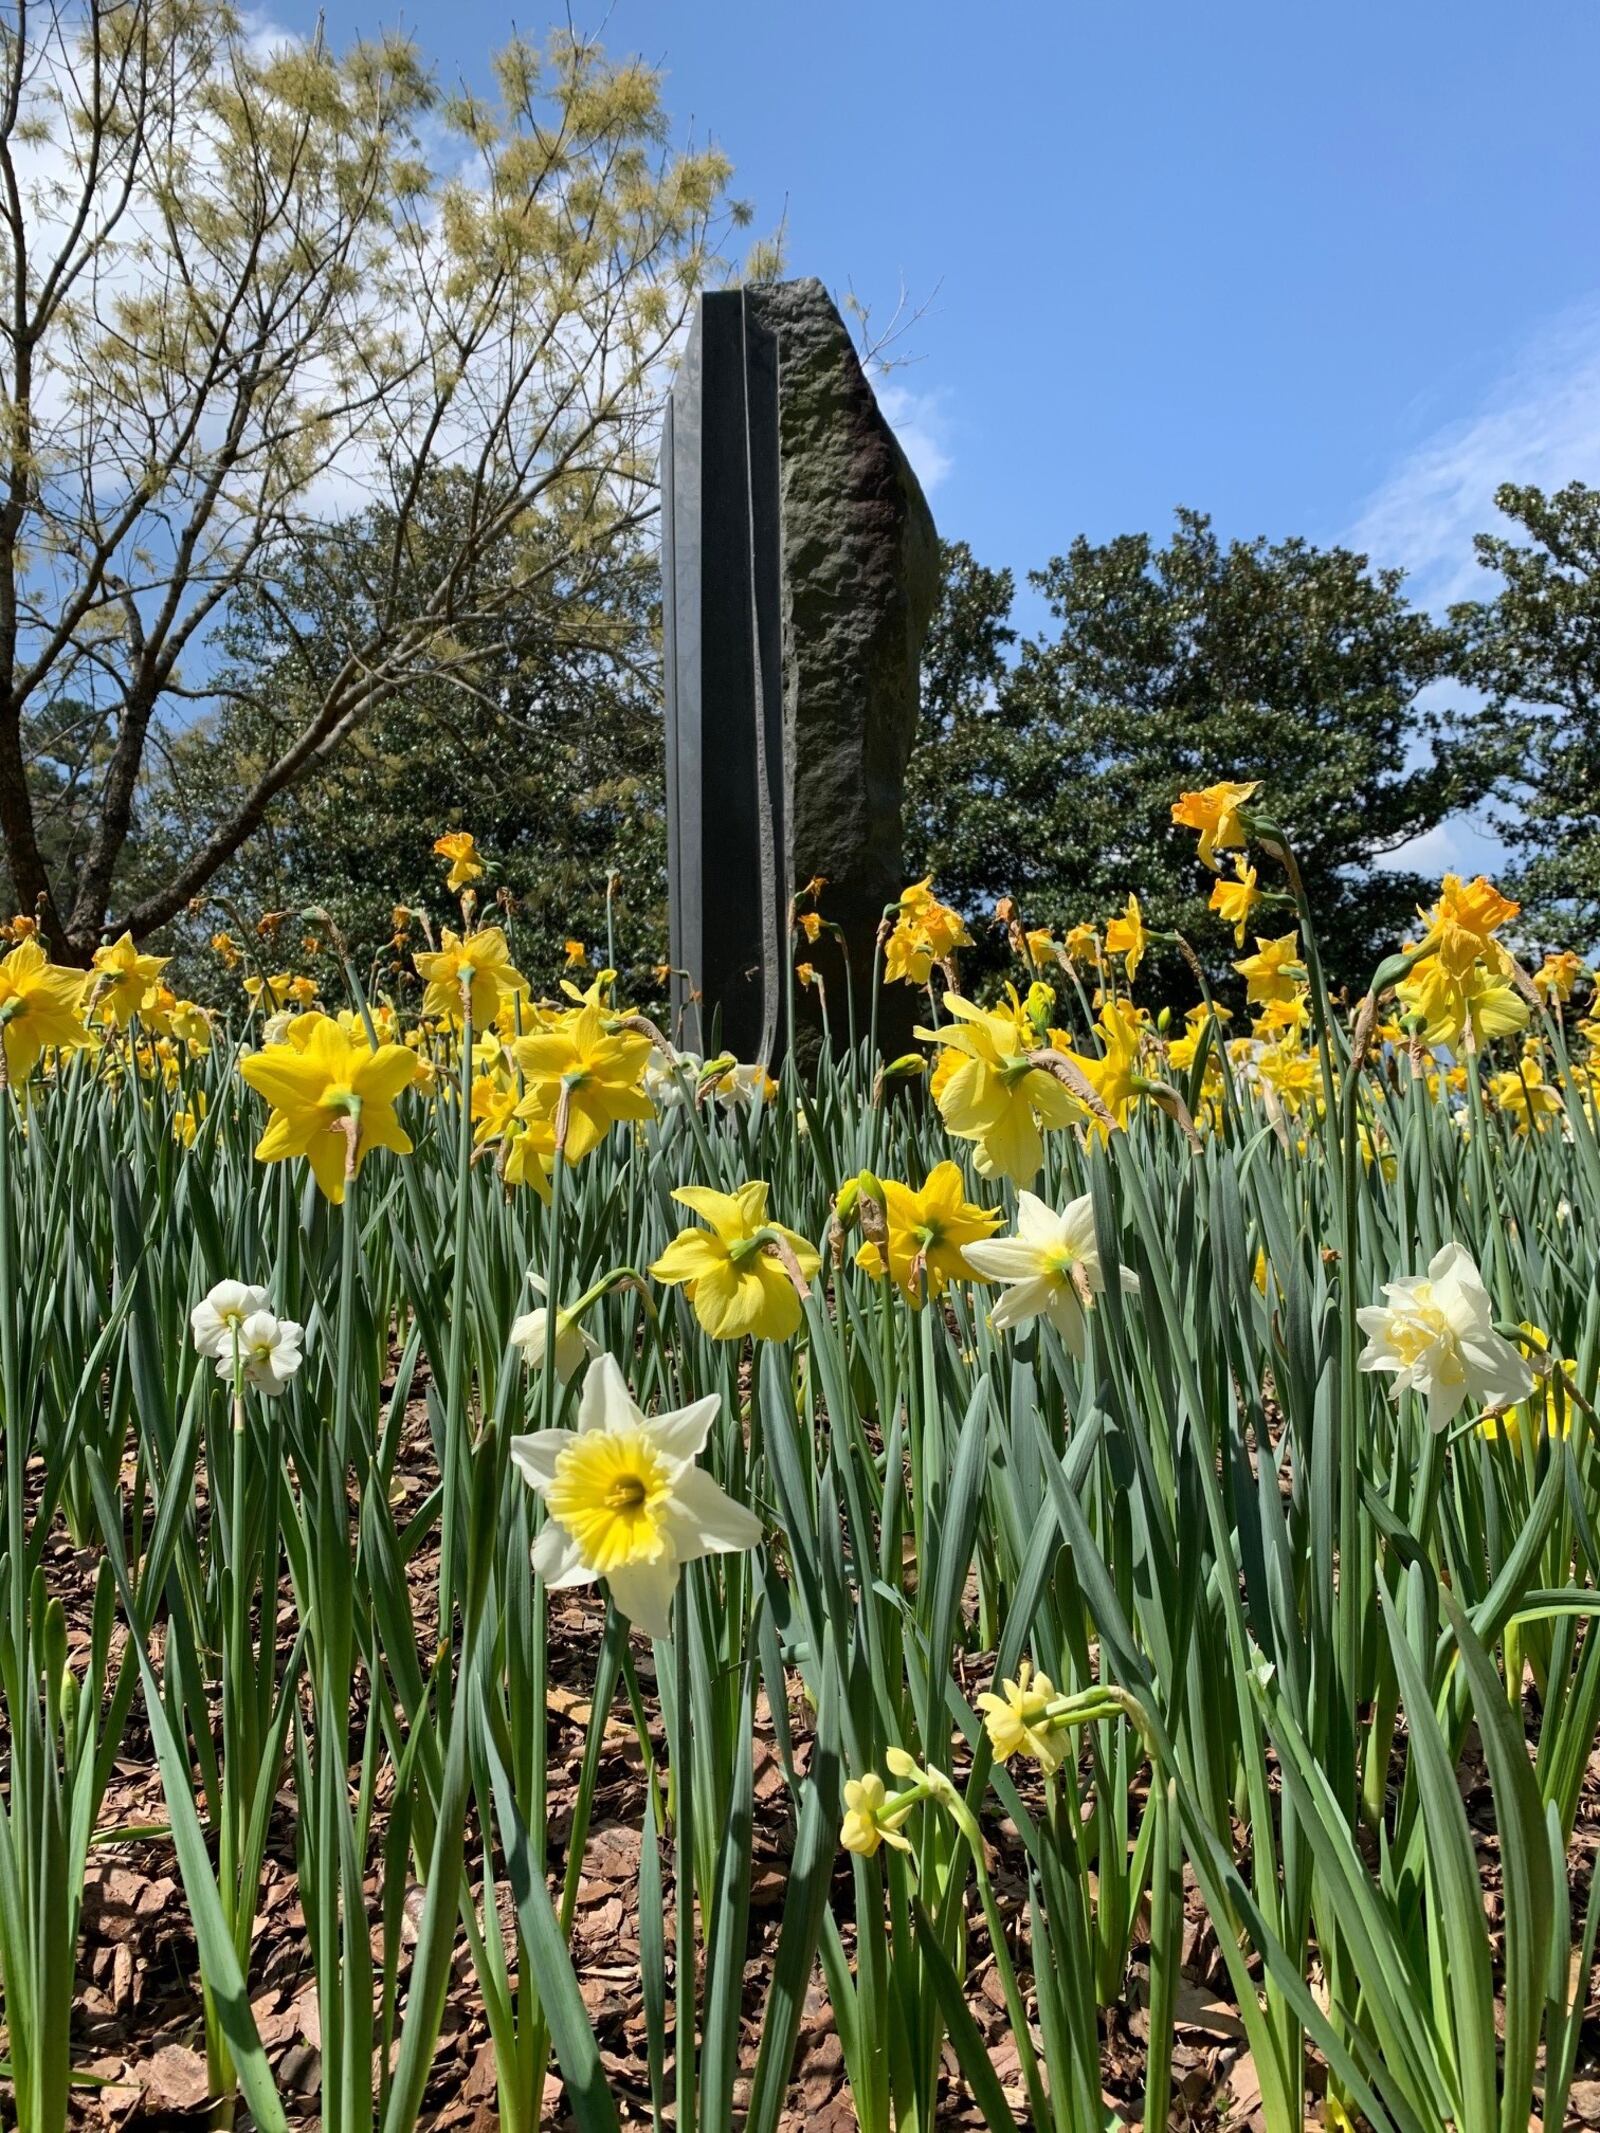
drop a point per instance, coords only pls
(544, 741)
(1534, 651)
(1052, 779)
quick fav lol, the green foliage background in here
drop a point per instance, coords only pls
(1045, 766)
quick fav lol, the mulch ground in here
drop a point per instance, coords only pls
(137, 2026)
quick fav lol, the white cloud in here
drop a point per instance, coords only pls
(920, 422)
(1458, 845)
(1539, 422)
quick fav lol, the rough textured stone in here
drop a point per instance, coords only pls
(800, 569)
(859, 581)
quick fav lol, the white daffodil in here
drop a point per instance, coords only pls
(269, 1352)
(218, 1316)
(739, 1085)
(626, 1501)
(1436, 1335)
(1050, 1268)
(531, 1334)
(666, 1085)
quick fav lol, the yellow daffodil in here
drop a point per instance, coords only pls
(321, 1083)
(1525, 1096)
(186, 1124)
(1550, 1410)
(191, 1025)
(1126, 936)
(873, 1815)
(1082, 945)
(734, 1270)
(925, 932)
(944, 929)
(1291, 1073)
(1274, 971)
(1279, 1017)
(481, 963)
(460, 849)
(1041, 946)
(600, 1071)
(987, 1091)
(1557, 975)
(1463, 923)
(927, 1233)
(127, 981)
(40, 1006)
(1113, 1072)
(907, 956)
(1234, 901)
(1017, 1719)
(1214, 812)
(577, 955)
(1480, 999)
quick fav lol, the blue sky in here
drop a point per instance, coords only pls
(1325, 269)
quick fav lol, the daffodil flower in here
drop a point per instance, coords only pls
(460, 849)
(1017, 1719)
(598, 1071)
(1480, 999)
(873, 1815)
(216, 1318)
(1436, 1337)
(1233, 901)
(1463, 923)
(1274, 971)
(733, 1270)
(268, 1352)
(1051, 1268)
(573, 1347)
(1126, 936)
(626, 1501)
(479, 965)
(39, 1007)
(1216, 814)
(127, 980)
(332, 1098)
(931, 1233)
(989, 1092)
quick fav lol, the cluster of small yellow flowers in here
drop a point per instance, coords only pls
(1022, 1718)
(925, 932)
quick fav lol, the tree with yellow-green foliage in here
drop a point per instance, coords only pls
(257, 296)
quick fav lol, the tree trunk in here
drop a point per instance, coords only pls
(30, 884)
